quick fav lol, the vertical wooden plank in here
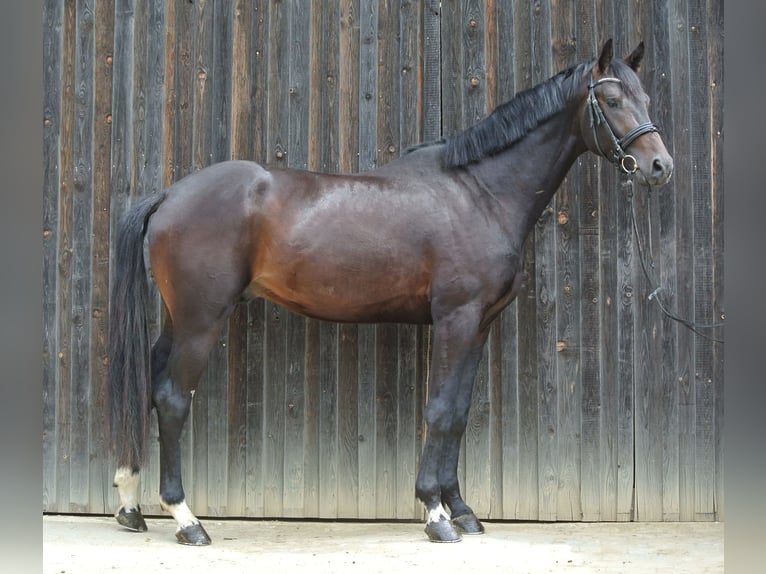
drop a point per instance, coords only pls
(64, 257)
(274, 413)
(142, 178)
(121, 114)
(303, 81)
(682, 192)
(276, 329)
(661, 112)
(452, 79)
(699, 131)
(150, 177)
(505, 340)
(367, 129)
(181, 47)
(255, 491)
(169, 94)
(568, 296)
(618, 278)
(386, 351)
(410, 121)
(82, 200)
(217, 77)
(386, 400)
(300, 83)
(210, 383)
(593, 487)
(53, 41)
(453, 89)
(648, 384)
(330, 418)
(545, 269)
(238, 356)
(494, 342)
(431, 70)
(256, 333)
(100, 468)
(526, 304)
(715, 21)
(474, 469)
(347, 74)
(408, 416)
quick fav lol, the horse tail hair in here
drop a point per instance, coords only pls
(129, 385)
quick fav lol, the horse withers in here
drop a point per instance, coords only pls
(433, 237)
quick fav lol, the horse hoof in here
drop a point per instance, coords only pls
(132, 520)
(193, 535)
(468, 524)
(442, 531)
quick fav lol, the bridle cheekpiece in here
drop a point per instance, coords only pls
(618, 155)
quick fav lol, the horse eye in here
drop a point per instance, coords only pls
(613, 103)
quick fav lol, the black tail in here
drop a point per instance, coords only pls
(129, 345)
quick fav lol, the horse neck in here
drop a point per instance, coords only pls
(524, 177)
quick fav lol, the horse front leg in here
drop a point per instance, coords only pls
(463, 517)
(456, 354)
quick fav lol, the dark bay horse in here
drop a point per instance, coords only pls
(432, 237)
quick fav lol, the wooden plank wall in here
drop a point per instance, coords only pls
(589, 405)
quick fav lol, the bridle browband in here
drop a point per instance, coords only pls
(618, 156)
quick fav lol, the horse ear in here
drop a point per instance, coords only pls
(607, 53)
(634, 60)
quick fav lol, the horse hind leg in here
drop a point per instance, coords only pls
(129, 513)
(126, 479)
(172, 396)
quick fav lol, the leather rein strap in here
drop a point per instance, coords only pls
(619, 156)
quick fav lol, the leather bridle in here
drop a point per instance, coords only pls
(618, 155)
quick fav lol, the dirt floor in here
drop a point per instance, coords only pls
(85, 545)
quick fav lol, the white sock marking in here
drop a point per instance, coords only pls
(127, 486)
(181, 513)
(437, 513)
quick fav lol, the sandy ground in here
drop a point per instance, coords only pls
(85, 545)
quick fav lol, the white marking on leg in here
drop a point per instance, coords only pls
(437, 513)
(126, 482)
(181, 512)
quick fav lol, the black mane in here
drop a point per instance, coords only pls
(511, 121)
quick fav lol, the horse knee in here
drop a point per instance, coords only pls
(439, 417)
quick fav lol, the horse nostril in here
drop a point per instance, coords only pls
(658, 168)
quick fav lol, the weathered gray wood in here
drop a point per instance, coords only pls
(584, 177)
(100, 470)
(683, 299)
(528, 498)
(345, 31)
(581, 375)
(569, 296)
(53, 41)
(715, 69)
(65, 240)
(702, 210)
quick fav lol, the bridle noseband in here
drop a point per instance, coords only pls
(619, 156)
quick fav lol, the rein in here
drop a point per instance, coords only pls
(657, 289)
(618, 156)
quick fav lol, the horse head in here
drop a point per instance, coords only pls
(614, 118)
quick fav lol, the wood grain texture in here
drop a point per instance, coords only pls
(589, 403)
